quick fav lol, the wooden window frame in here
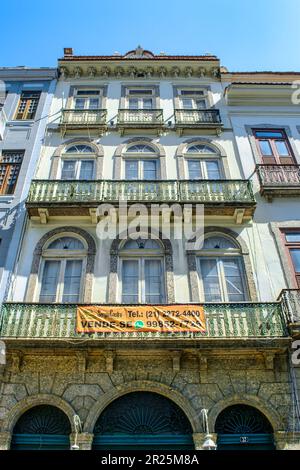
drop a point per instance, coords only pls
(8, 166)
(29, 101)
(288, 247)
(275, 158)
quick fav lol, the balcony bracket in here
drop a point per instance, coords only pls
(43, 214)
(82, 361)
(17, 362)
(176, 358)
(269, 361)
(239, 216)
(93, 214)
(109, 361)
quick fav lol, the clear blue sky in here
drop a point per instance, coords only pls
(244, 34)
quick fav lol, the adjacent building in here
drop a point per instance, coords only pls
(158, 129)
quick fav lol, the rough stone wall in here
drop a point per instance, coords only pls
(85, 384)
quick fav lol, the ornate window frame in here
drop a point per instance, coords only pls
(113, 279)
(181, 156)
(245, 258)
(87, 274)
(98, 156)
(120, 155)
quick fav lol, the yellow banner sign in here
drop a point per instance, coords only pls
(129, 318)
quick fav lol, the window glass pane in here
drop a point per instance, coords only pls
(147, 103)
(149, 170)
(130, 281)
(212, 168)
(49, 281)
(93, 103)
(233, 278)
(80, 148)
(187, 103)
(194, 168)
(210, 278)
(133, 103)
(72, 281)
(282, 148)
(140, 148)
(293, 237)
(140, 92)
(131, 169)
(192, 92)
(86, 170)
(87, 92)
(79, 103)
(66, 243)
(200, 149)
(265, 147)
(218, 243)
(68, 171)
(200, 104)
(295, 254)
(269, 134)
(153, 281)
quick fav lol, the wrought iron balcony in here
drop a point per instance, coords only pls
(140, 119)
(56, 195)
(197, 118)
(290, 299)
(73, 119)
(223, 320)
(279, 180)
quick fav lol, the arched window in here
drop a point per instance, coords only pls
(221, 270)
(202, 162)
(142, 272)
(141, 163)
(62, 266)
(42, 427)
(78, 163)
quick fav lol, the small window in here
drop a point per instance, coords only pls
(202, 162)
(140, 99)
(77, 169)
(87, 99)
(10, 164)
(27, 105)
(274, 147)
(193, 100)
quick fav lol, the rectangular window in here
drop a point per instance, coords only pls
(68, 170)
(10, 164)
(140, 98)
(210, 279)
(292, 241)
(28, 105)
(77, 169)
(203, 169)
(131, 169)
(153, 281)
(87, 99)
(193, 99)
(86, 170)
(194, 168)
(50, 281)
(274, 147)
(130, 281)
(72, 281)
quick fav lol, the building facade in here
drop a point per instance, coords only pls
(158, 129)
(26, 95)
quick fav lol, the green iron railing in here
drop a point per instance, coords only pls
(223, 320)
(96, 191)
(197, 117)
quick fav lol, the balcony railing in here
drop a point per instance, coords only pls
(223, 320)
(279, 179)
(140, 118)
(3, 120)
(290, 299)
(83, 117)
(206, 191)
(197, 118)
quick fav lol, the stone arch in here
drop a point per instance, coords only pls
(98, 149)
(143, 386)
(157, 146)
(113, 269)
(269, 412)
(192, 266)
(180, 155)
(34, 400)
(37, 254)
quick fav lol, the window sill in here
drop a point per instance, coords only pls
(6, 197)
(19, 122)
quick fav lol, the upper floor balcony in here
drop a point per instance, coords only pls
(25, 322)
(279, 180)
(3, 120)
(192, 119)
(140, 119)
(290, 300)
(88, 119)
(77, 198)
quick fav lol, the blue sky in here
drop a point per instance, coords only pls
(245, 35)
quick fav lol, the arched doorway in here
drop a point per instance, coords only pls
(42, 427)
(242, 427)
(142, 420)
